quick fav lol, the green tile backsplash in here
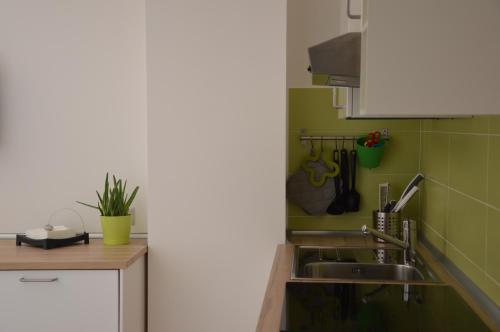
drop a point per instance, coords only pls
(494, 175)
(495, 125)
(459, 205)
(466, 226)
(436, 162)
(311, 111)
(468, 164)
(461, 197)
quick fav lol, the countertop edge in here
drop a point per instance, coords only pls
(272, 305)
(143, 251)
(94, 256)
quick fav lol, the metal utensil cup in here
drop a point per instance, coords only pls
(388, 223)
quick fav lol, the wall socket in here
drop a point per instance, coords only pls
(132, 215)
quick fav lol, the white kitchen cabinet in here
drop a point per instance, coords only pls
(428, 58)
(346, 100)
(349, 23)
(73, 300)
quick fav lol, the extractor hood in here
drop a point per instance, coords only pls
(337, 61)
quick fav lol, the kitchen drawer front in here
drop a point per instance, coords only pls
(59, 300)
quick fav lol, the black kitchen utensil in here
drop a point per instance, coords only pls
(334, 207)
(352, 198)
(340, 200)
(389, 206)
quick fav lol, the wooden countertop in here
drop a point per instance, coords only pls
(271, 311)
(94, 256)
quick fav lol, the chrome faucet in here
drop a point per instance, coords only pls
(408, 242)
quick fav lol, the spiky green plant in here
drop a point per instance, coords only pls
(114, 201)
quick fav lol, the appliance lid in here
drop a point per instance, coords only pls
(337, 62)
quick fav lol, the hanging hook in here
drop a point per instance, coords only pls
(353, 139)
(311, 152)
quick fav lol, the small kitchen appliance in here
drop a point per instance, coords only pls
(50, 237)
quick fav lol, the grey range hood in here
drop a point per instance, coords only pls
(337, 61)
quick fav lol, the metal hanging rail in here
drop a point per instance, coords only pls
(329, 138)
(385, 136)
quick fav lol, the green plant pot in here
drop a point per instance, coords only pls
(116, 230)
(369, 157)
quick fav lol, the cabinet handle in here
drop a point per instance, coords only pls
(349, 14)
(335, 99)
(23, 279)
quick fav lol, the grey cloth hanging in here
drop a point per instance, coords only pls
(313, 200)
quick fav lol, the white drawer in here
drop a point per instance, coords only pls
(59, 301)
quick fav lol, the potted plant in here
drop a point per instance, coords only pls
(114, 205)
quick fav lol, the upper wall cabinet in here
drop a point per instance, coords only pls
(428, 58)
(349, 15)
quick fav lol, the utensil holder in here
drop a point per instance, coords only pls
(388, 223)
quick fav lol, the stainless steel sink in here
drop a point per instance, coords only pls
(358, 264)
(360, 271)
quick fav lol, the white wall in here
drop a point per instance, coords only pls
(72, 106)
(216, 165)
(310, 22)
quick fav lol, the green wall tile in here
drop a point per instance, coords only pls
(495, 124)
(434, 206)
(434, 238)
(472, 271)
(365, 126)
(468, 155)
(478, 125)
(401, 154)
(466, 227)
(296, 151)
(311, 109)
(492, 244)
(426, 125)
(295, 211)
(493, 172)
(435, 154)
(473, 229)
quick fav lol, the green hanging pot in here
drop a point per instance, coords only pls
(369, 157)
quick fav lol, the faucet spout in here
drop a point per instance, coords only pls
(407, 243)
(368, 230)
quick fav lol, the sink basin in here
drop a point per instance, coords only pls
(360, 271)
(358, 265)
